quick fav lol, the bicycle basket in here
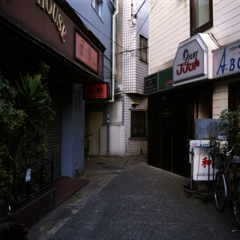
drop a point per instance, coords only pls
(217, 158)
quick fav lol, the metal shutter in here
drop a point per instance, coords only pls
(55, 131)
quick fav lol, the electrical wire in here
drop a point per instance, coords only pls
(126, 50)
(97, 28)
(143, 24)
(135, 15)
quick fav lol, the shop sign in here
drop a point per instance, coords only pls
(95, 91)
(189, 61)
(158, 81)
(226, 60)
(151, 83)
(85, 53)
(52, 10)
(165, 78)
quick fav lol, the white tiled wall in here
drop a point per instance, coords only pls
(133, 146)
(134, 70)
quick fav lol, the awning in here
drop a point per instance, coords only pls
(20, 51)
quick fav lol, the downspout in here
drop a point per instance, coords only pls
(114, 40)
(115, 7)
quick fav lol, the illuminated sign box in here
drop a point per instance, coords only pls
(226, 60)
(193, 60)
(95, 91)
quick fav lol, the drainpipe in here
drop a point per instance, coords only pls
(114, 31)
(108, 130)
(114, 39)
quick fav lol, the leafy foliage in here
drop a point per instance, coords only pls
(230, 122)
(24, 114)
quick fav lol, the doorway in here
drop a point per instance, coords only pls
(93, 121)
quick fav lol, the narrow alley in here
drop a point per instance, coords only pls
(132, 200)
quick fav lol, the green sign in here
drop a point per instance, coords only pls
(165, 79)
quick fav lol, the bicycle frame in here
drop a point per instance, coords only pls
(225, 190)
(230, 189)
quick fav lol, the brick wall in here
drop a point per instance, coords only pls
(35, 210)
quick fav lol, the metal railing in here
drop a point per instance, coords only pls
(41, 181)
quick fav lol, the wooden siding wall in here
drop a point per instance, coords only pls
(170, 25)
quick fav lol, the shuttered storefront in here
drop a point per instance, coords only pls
(55, 130)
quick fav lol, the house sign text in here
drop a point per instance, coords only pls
(52, 10)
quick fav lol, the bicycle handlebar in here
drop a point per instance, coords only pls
(229, 152)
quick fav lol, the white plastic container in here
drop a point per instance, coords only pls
(197, 143)
(202, 169)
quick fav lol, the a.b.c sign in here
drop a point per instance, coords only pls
(95, 91)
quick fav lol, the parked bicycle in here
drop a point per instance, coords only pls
(10, 228)
(227, 181)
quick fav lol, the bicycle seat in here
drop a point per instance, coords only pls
(235, 160)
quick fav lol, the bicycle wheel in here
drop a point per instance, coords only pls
(236, 207)
(220, 192)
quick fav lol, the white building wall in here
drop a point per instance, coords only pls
(220, 98)
(170, 25)
(226, 21)
(134, 70)
(128, 57)
(133, 146)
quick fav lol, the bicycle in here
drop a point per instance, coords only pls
(224, 190)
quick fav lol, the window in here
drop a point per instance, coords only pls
(143, 49)
(201, 15)
(97, 5)
(138, 124)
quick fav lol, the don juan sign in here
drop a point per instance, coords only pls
(52, 10)
(189, 62)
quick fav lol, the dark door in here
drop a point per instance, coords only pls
(234, 96)
(166, 131)
(154, 153)
(175, 132)
(180, 132)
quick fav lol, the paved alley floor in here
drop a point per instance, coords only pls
(143, 202)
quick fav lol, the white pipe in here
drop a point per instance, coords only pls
(114, 40)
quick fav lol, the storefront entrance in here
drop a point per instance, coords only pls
(171, 126)
(169, 131)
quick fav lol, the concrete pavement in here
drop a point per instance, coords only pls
(135, 202)
(100, 171)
